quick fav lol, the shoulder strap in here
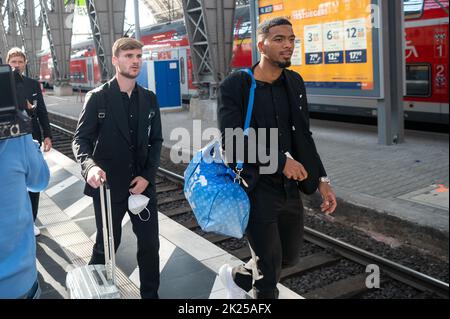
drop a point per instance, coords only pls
(102, 107)
(248, 116)
(251, 100)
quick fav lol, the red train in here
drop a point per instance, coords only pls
(426, 42)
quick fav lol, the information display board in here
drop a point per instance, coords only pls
(336, 46)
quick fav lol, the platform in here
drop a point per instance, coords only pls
(398, 184)
(188, 263)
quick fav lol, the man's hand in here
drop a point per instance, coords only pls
(96, 176)
(138, 184)
(294, 170)
(30, 106)
(47, 144)
(329, 203)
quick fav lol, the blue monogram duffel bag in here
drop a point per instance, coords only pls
(218, 201)
(214, 190)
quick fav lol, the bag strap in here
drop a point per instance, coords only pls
(102, 110)
(248, 117)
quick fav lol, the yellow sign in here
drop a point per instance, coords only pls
(333, 47)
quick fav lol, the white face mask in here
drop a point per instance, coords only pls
(137, 203)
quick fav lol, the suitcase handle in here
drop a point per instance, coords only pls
(108, 235)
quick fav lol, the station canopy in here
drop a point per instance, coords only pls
(165, 10)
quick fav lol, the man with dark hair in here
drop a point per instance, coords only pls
(118, 140)
(275, 226)
(36, 109)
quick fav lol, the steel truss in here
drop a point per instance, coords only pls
(210, 24)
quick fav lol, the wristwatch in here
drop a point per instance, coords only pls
(325, 179)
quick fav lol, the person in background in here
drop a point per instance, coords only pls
(36, 109)
(22, 167)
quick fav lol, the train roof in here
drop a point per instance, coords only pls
(425, 9)
(177, 26)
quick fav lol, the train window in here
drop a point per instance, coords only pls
(182, 70)
(413, 8)
(418, 80)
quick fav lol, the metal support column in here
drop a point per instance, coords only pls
(390, 110)
(107, 17)
(137, 25)
(45, 18)
(198, 40)
(58, 23)
(210, 24)
(19, 24)
(254, 20)
(32, 36)
(98, 42)
(11, 34)
(3, 41)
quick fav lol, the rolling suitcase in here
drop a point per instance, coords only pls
(97, 281)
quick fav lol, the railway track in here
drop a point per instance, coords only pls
(329, 268)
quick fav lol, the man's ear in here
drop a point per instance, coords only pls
(114, 60)
(260, 45)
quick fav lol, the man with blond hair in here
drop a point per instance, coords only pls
(36, 109)
(118, 139)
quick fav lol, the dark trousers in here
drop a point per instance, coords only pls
(34, 198)
(275, 231)
(147, 243)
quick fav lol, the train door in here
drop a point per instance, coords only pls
(426, 44)
(90, 82)
(167, 82)
(184, 82)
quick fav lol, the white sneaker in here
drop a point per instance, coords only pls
(37, 232)
(233, 290)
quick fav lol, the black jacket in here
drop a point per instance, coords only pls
(39, 116)
(232, 108)
(107, 143)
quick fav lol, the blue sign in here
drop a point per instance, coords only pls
(356, 56)
(334, 57)
(314, 58)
